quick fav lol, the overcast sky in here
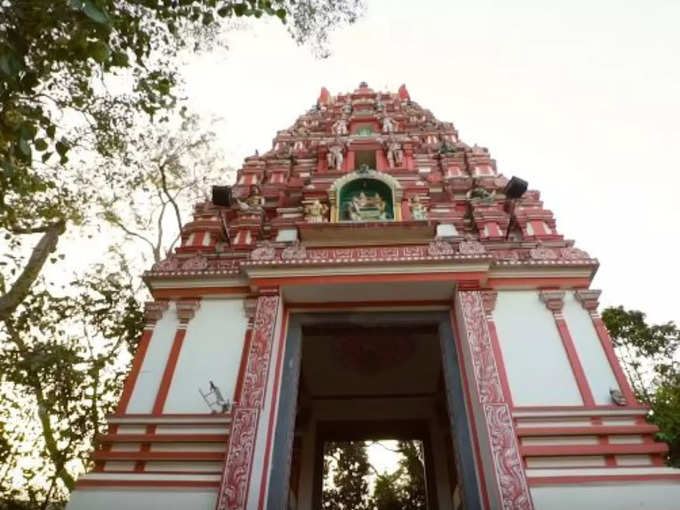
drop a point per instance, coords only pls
(580, 98)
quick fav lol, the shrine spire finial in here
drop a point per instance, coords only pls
(403, 93)
(324, 96)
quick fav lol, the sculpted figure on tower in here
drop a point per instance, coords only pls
(395, 154)
(340, 127)
(335, 156)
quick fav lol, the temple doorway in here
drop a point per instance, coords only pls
(353, 381)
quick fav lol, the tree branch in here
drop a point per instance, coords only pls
(23, 284)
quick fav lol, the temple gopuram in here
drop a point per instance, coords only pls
(374, 277)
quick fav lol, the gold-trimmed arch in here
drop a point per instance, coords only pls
(392, 183)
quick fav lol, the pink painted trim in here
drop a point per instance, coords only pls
(144, 483)
(567, 480)
(606, 342)
(593, 449)
(131, 379)
(594, 430)
(575, 362)
(500, 364)
(468, 407)
(170, 366)
(273, 410)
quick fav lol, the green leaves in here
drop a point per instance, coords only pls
(95, 13)
(651, 357)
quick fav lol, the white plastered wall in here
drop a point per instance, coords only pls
(593, 359)
(211, 351)
(661, 495)
(538, 370)
(151, 372)
(143, 499)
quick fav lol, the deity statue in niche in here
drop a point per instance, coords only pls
(395, 154)
(335, 156)
(418, 209)
(363, 207)
(366, 200)
(388, 125)
(315, 211)
(254, 202)
(340, 127)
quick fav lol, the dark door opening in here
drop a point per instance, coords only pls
(352, 380)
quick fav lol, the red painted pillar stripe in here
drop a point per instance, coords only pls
(575, 362)
(495, 345)
(242, 366)
(606, 342)
(169, 371)
(131, 379)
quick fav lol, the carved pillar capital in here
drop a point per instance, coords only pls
(554, 300)
(249, 307)
(489, 301)
(588, 299)
(186, 309)
(153, 311)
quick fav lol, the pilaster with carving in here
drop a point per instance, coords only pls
(512, 486)
(233, 491)
(554, 302)
(589, 300)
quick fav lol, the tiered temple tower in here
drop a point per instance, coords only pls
(372, 276)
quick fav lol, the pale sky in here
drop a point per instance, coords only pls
(580, 98)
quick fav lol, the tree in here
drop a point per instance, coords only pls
(404, 488)
(60, 61)
(345, 471)
(77, 78)
(651, 357)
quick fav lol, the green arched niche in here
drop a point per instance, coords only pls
(366, 199)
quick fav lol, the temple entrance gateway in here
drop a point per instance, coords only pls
(371, 376)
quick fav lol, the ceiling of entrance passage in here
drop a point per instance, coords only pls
(372, 361)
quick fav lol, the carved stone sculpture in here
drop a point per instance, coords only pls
(315, 212)
(254, 202)
(340, 127)
(395, 154)
(418, 210)
(335, 157)
(388, 125)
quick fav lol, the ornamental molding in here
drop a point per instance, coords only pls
(260, 352)
(440, 247)
(574, 254)
(340, 182)
(233, 489)
(588, 298)
(489, 298)
(543, 253)
(471, 247)
(236, 475)
(294, 252)
(510, 475)
(265, 251)
(153, 311)
(196, 263)
(186, 309)
(553, 300)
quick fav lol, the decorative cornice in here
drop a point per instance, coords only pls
(554, 300)
(153, 311)
(489, 298)
(186, 309)
(588, 299)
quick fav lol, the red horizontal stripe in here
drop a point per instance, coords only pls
(597, 430)
(145, 483)
(149, 455)
(594, 449)
(162, 438)
(556, 480)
